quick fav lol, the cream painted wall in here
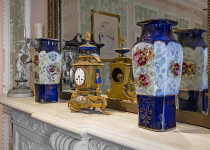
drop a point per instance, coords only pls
(1, 48)
(1, 64)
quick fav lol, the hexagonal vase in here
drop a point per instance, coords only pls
(46, 66)
(194, 82)
(157, 64)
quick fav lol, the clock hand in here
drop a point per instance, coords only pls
(79, 79)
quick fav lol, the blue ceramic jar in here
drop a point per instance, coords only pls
(157, 64)
(194, 83)
(46, 66)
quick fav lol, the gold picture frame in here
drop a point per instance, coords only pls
(105, 29)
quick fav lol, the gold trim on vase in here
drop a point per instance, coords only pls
(155, 96)
(161, 130)
(190, 90)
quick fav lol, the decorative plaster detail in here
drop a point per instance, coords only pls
(61, 141)
(65, 142)
(6, 131)
(26, 121)
(28, 144)
(101, 145)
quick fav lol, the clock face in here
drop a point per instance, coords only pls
(79, 76)
(117, 75)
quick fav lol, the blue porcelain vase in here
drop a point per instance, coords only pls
(46, 66)
(157, 63)
(194, 83)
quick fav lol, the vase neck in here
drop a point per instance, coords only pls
(48, 45)
(191, 38)
(157, 30)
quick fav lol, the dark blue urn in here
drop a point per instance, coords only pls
(157, 62)
(46, 66)
(194, 83)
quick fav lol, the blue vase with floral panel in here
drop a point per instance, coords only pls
(46, 66)
(194, 83)
(157, 64)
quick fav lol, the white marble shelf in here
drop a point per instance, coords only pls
(120, 127)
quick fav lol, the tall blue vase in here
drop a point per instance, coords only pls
(157, 64)
(194, 83)
(46, 66)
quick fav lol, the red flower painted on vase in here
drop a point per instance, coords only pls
(143, 56)
(36, 60)
(175, 69)
(142, 81)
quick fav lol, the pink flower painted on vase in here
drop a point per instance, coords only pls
(142, 80)
(175, 69)
(136, 55)
(142, 56)
(51, 68)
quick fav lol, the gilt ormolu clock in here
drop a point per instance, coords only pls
(122, 87)
(87, 78)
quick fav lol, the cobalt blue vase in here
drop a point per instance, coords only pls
(194, 82)
(46, 66)
(157, 63)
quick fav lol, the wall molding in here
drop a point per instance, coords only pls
(6, 44)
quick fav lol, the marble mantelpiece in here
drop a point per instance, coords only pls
(53, 126)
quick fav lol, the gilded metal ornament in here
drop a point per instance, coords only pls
(122, 87)
(87, 77)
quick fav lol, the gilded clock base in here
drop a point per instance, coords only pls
(82, 99)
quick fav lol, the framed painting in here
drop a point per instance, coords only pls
(105, 29)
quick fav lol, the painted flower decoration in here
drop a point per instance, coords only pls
(188, 69)
(175, 69)
(36, 60)
(142, 81)
(52, 68)
(143, 56)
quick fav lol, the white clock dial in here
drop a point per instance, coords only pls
(79, 76)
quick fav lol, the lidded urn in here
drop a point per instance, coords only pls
(157, 66)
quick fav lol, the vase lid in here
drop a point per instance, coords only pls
(157, 21)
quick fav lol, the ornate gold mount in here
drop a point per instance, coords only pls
(122, 87)
(83, 99)
(88, 70)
